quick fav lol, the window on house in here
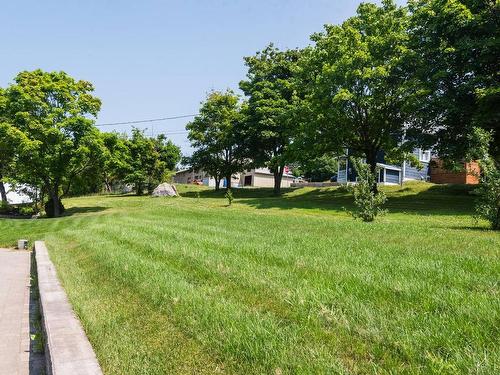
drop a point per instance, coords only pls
(425, 156)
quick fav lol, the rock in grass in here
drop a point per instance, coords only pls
(165, 190)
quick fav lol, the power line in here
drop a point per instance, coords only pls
(171, 133)
(143, 121)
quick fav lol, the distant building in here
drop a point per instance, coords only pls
(468, 175)
(262, 177)
(432, 170)
(257, 177)
(389, 174)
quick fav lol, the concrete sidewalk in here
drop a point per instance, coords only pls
(14, 312)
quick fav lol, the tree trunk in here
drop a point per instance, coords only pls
(3, 193)
(496, 222)
(217, 183)
(228, 182)
(54, 206)
(139, 188)
(278, 176)
(371, 159)
(107, 186)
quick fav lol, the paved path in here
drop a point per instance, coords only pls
(14, 312)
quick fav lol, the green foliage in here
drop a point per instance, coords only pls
(48, 140)
(4, 207)
(488, 202)
(367, 202)
(488, 192)
(271, 123)
(150, 160)
(229, 196)
(213, 134)
(456, 47)
(356, 83)
(12, 141)
(117, 159)
(320, 169)
(60, 141)
(26, 210)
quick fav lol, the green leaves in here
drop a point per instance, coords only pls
(355, 81)
(148, 159)
(456, 50)
(271, 122)
(214, 134)
(368, 203)
(55, 136)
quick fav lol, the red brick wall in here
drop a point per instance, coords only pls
(440, 175)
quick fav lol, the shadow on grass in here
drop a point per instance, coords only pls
(421, 199)
(124, 195)
(473, 228)
(83, 210)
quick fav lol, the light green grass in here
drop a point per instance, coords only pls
(279, 285)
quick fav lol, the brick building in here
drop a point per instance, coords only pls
(468, 175)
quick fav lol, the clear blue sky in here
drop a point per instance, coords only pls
(150, 59)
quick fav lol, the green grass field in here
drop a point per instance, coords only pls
(289, 285)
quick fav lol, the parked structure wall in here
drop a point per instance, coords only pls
(441, 175)
(259, 177)
(262, 177)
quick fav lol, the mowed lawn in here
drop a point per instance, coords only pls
(289, 285)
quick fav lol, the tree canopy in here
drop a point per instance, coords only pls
(55, 112)
(271, 123)
(150, 159)
(456, 50)
(356, 84)
(48, 142)
(214, 135)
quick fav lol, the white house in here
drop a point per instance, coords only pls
(14, 197)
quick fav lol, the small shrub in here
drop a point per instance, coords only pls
(367, 202)
(26, 211)
(488, 192)
(488, 201)
(229, 196)
(4, 207)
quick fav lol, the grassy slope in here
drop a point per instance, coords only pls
(279, 285)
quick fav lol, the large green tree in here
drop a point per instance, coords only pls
(117, 159)
(54, 111)
(356, 83)
(214, 135)
(150, 159)
(271, 123)
(456, 46)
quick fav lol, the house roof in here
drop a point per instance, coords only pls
(183, 170)
(266, 171)
(388, 166)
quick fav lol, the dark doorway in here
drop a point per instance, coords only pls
(248, 181)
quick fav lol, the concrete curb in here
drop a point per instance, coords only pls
(67, 348)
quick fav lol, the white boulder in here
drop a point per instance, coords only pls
(165, 190)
